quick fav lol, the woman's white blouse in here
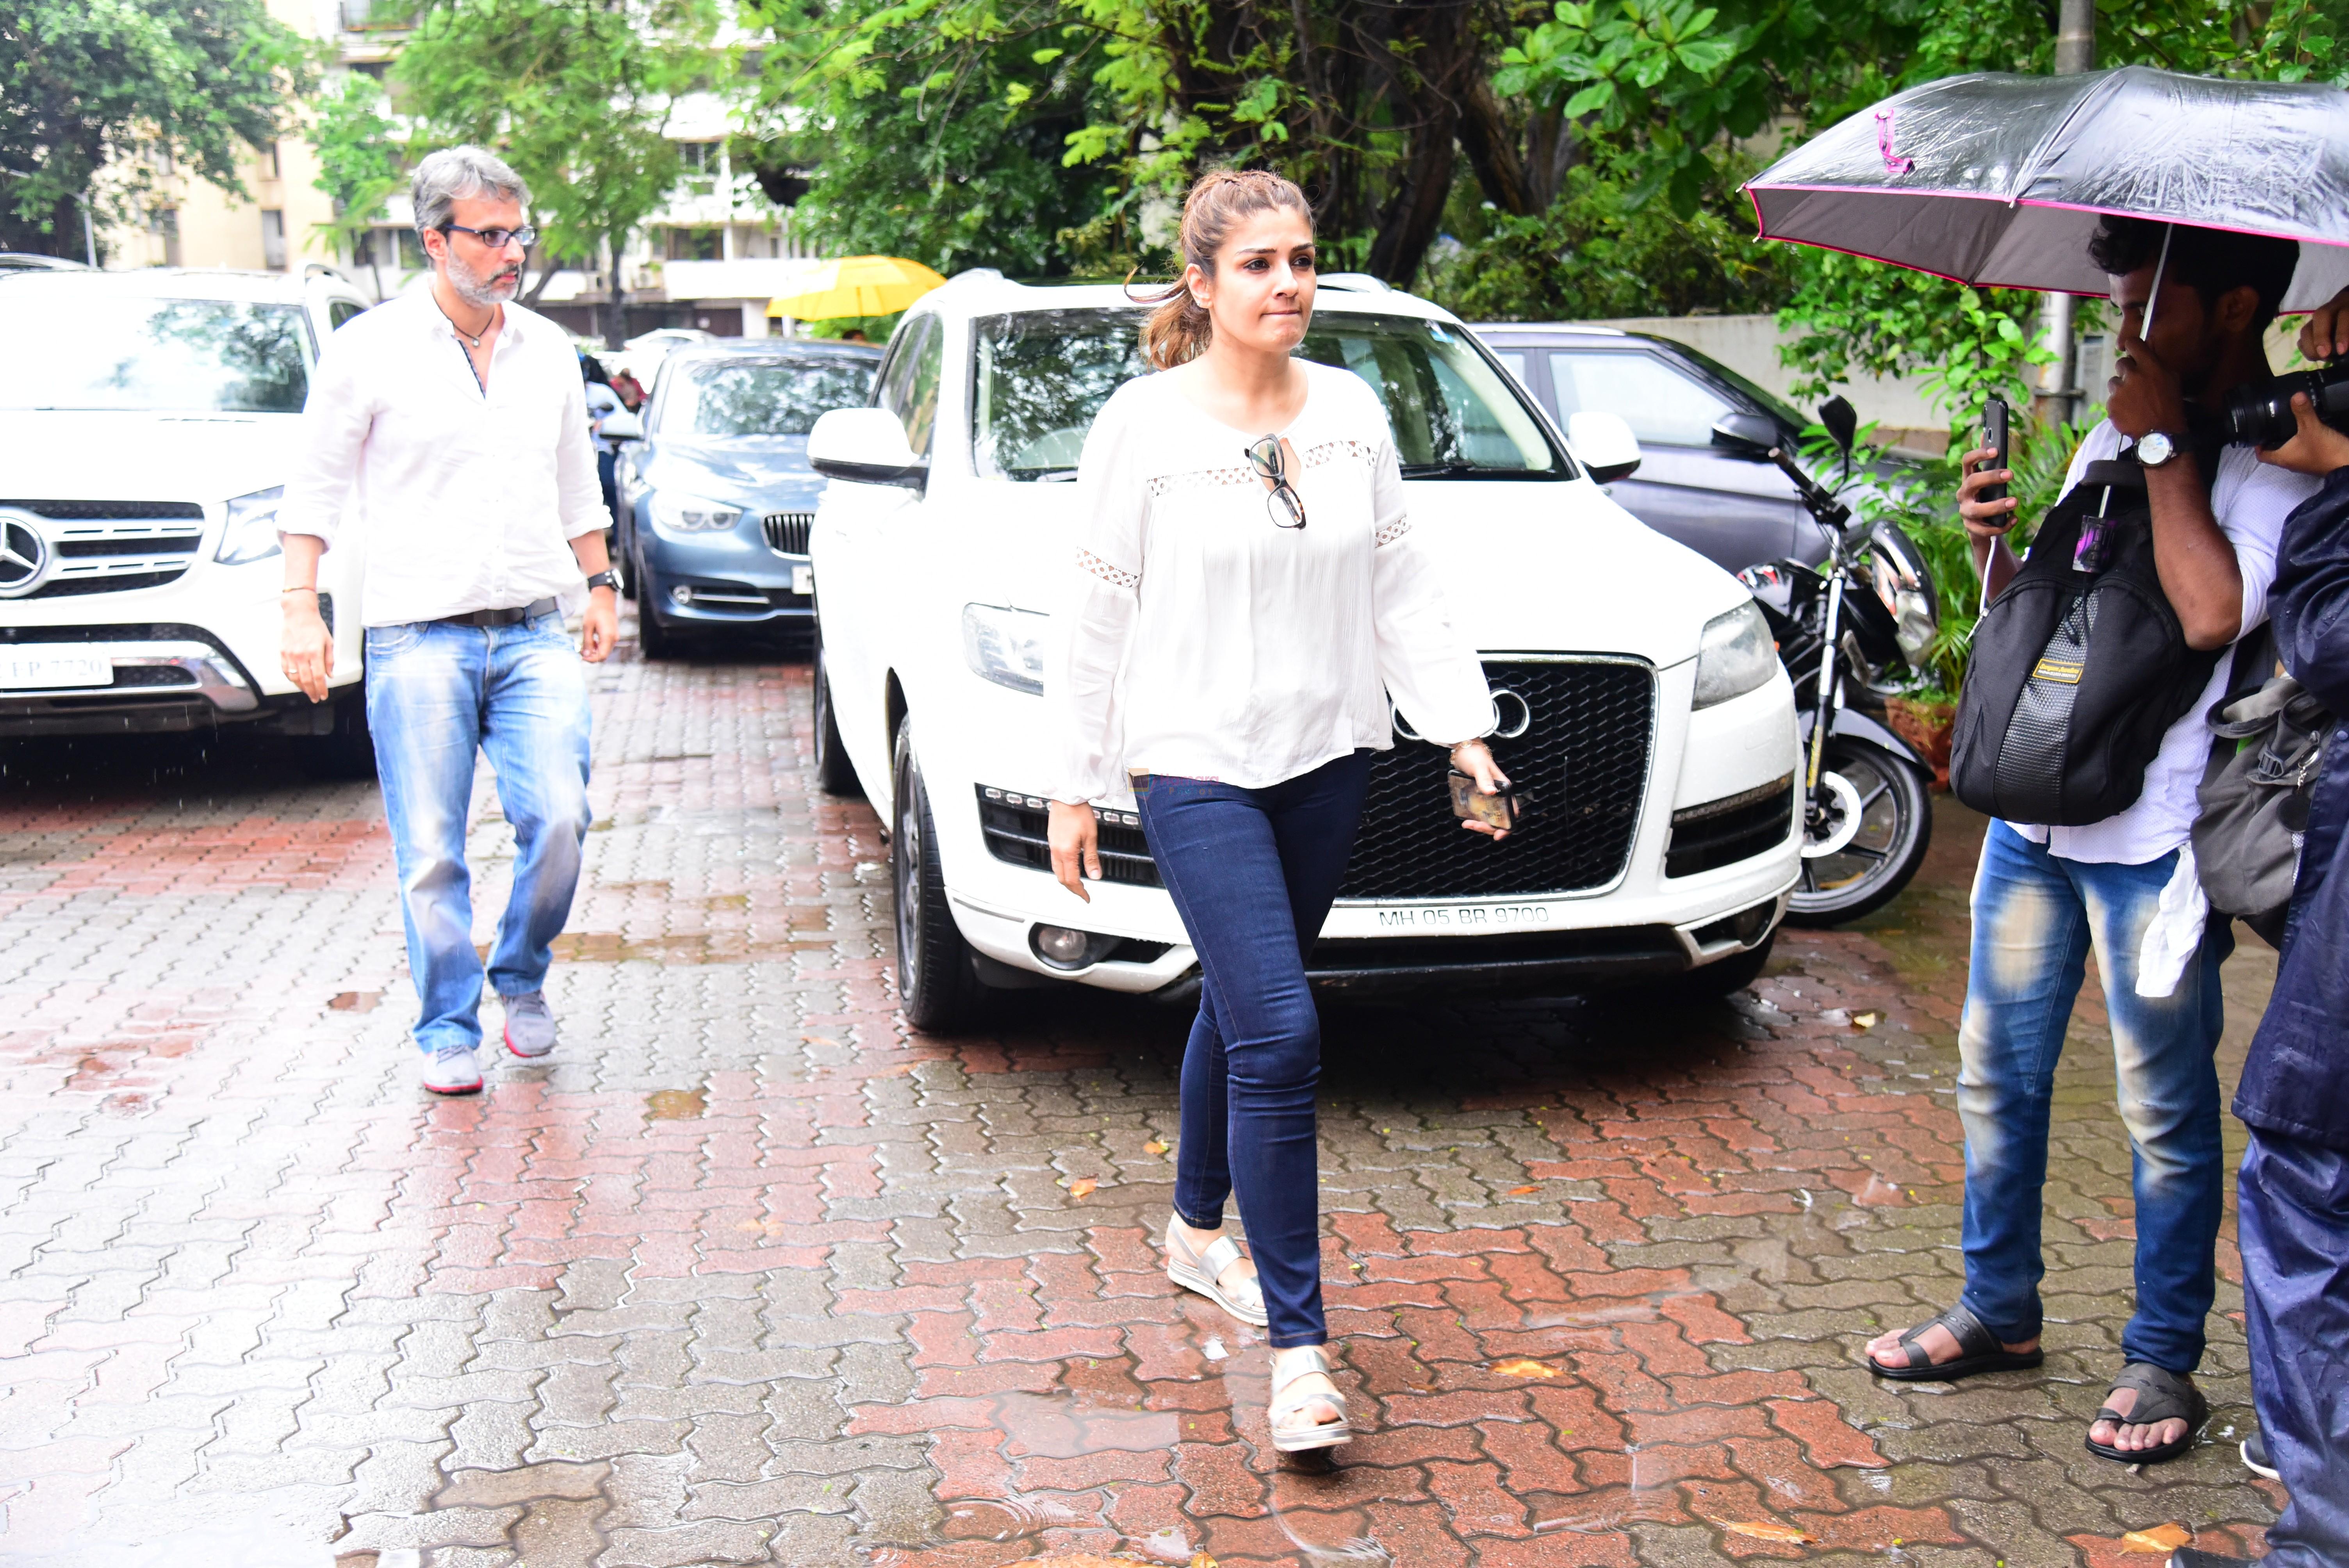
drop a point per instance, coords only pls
(1197, 639)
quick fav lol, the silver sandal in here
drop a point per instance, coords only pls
(1201, 1270)
(1322, 1434)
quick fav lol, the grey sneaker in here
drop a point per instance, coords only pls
(453, 1071)
(529, 1025)
(2255, 1458)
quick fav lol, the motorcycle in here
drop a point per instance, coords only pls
(1847, 630)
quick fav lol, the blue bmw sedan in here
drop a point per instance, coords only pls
(716, 498)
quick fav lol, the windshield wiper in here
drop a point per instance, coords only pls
(1438, 471)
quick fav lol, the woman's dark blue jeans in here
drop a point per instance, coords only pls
(1253, 872)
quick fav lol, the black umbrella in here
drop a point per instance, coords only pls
(1999, 180)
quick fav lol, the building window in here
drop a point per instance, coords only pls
(269, 161)
(165, 221)
(700, 244)
(700, 161)
(272, 239)
(393, 250)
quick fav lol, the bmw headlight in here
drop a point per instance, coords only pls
(1005, 645)
(252, 531)
(674, 514)
(1735, 654)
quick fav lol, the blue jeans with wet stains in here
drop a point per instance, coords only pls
(437, 695)
(1253, 874)
(2036, 917)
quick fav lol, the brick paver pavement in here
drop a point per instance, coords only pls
(750, 1274)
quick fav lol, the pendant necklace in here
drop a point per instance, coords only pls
(472, 337)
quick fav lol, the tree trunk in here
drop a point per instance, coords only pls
(616, 336)
(1492, 151)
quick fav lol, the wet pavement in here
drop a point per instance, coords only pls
(750, 1272)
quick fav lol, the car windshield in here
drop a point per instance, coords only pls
(762, 397)
(80, 347)
(1041, 376)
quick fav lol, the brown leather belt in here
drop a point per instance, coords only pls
(530, 612)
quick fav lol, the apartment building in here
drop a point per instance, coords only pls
(711, 258)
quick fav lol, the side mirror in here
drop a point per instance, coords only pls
(622, 426)
(866, 447)
(1746, 434)
(1842, 422)
(1604, 443)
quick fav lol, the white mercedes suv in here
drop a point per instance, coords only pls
(150, 419)
(1641, 698)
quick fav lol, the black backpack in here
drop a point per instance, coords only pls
(2079, 666)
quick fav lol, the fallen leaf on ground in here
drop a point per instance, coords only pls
(1866, 1020)
(1087, 1560)
(1763, 1531)
(898, 1071)
(1082, 1186)
(819, 1039)
(1520, 1192)
(1156, 1146)
(2162, 1538)
(1525, 1367)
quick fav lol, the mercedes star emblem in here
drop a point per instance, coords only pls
(24, 554)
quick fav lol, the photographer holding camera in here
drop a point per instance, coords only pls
(2292, 1221)
(2193, 303)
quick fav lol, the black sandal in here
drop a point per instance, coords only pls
(2161, 1396)
(1978, 1351)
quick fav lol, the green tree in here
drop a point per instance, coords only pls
(93, 85)
(575, 94)
(358, 160)
(934, 128)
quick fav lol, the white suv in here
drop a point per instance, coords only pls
(150, 420)
(1641, 698)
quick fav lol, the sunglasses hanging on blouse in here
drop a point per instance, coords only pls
(1287, 506)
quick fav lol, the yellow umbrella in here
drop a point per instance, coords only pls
(856, 285)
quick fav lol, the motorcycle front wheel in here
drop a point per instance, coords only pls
(1866, 839)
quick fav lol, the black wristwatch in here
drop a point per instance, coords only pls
(2157, 448)
(604, 580)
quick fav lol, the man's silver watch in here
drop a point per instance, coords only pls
(2155, 449)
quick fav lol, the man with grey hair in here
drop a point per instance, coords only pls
(446, 436)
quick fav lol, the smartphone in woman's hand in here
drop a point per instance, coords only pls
(1501, 812)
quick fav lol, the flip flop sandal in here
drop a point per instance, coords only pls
(2161, 1396)
(1320, 1434)
(1978, 1351)
(1201, 1270)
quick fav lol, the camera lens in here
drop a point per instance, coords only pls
(2262, 417)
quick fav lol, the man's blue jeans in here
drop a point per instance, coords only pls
(2036, 915)
(1253, 874)
(436, 695)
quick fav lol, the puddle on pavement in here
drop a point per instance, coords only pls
(677, 1104)
(685, 947)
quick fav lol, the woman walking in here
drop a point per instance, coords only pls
(1247, 593)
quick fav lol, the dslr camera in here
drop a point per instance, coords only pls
(2260, 416)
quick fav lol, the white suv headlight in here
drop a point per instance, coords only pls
(1735, 654)
(1005, 645)
(675, 513)
(252, 531)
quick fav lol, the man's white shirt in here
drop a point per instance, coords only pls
(2250, 501)
(463, 498)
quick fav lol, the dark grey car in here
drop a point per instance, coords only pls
(1732, 510)
(717, 497)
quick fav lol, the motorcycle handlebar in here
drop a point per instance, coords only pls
(1823, 505)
